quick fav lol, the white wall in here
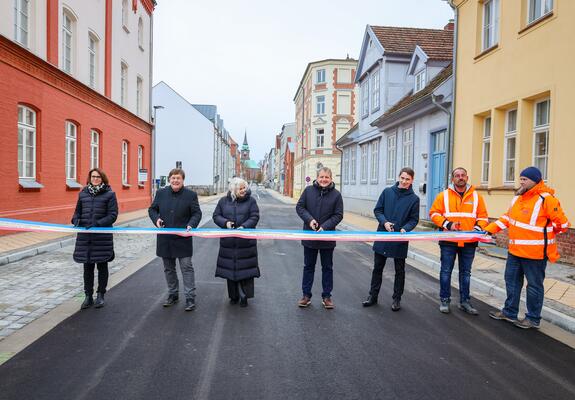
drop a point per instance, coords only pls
(37, 25)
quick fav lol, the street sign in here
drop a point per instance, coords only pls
(142, 175)
(307, 179)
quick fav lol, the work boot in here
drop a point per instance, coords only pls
(370, 301)
(190, 305)
(444, 306)
(468, 308)
(526, 323)
(99, 303)
(327, 303)
(498, 315)
(396, 305)
(171, 300)
(304, 302)
(87, 303)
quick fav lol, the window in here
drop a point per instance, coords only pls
(71, 139)
(375, 90)
(374, 161)
(139, 95)
(94, 149)
(538, 9)
(344, 75)
(320, 105)
(92, 43)
(353, 165)
(124, 162)
(486, 150)
(391, 158)
(541, 136)
(141, 34)
(346, 153)
(124, 85)
(21, 21)
(490, 24)
(140, 158)
(510, 144)
(365, 98)
(363, 166)
(320, 76)
(320, 137)
(26, 143)
(343, 104)
(407, 148)
(419, 81)
(67, 36)
(125, 14)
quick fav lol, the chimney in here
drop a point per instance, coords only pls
(450, 25)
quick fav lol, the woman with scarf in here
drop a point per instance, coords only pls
(97, 207)
(238, 258)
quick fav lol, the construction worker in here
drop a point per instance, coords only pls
(533, 218)
(458, 208)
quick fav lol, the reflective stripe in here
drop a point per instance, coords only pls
(531, 242)
(513, 200)
(435, 214)
(505, 217)
(460, 214)
(500, 224)
(565, 225)
(446, 200)
(534, 228)
(535, 212)
(475, 202)
(483, 219)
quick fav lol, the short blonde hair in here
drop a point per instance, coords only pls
(326, 170)
(235, 185)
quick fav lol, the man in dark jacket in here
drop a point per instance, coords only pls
(320, 206)
(397, 210)
(176, 207)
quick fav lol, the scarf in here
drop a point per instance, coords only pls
(94, 190)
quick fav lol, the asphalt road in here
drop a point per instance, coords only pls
(135, 349)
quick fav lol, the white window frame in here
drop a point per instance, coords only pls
(365, 98)
(71, 162)
(26, 130)
(320, 105)
(533, 14)
(93, 60)
(141, 33)
(67, 42)
(123, 84)
(486, 150)
(541, 160)
(139, 94)
(375, 90)
(94, 149)
(124, 162)
(407, 137)
(374, 162)
(140, 159)
(353, 165)
(363, 152)
(320, 76)
(22, 22)
(391, 157)
(125, 14)
(320, 138)
(510, 162)
(490, 25)
(419, 81)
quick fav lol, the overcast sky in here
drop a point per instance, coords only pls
(248, 56)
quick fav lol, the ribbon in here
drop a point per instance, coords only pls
(260, 234)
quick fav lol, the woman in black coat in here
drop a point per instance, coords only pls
(97, 207)
(238, 258)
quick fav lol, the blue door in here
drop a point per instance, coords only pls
(437, 161)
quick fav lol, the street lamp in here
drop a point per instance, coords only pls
(153, 163)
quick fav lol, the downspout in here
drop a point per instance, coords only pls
(451, 129)
(150, 108)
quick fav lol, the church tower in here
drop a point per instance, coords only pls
(245, 148)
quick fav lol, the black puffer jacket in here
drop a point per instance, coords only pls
(325, 205)
(237, 258)
(97, 211)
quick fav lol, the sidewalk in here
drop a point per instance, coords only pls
(487, 273)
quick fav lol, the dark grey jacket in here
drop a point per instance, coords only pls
(178, 210)
(325, 205)
(237, 258)
(95, 211)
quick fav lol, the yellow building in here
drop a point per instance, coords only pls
(515, 88)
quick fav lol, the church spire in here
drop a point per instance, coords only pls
(245, 138)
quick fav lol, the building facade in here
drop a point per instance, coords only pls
(514, 98)
(287, 135)
(76, 84)
(325, 109)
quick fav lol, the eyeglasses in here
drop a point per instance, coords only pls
(96, 177)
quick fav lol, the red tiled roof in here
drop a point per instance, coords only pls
(437, 43)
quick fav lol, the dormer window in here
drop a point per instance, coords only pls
(419, 81)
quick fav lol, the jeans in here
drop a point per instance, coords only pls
(376, 277)
(465, 256)
(534, 270)
(310, 258)
(187, 276)
(89, 278)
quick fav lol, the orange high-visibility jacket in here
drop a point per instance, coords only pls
(533, 220)
(468, 210)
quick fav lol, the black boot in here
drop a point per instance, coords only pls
(88, 302)
(243, 297)
(99, 303)
(370, 301)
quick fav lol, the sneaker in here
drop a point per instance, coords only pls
(99, 303)
(87, 303)
(526, 323)
(171, 300)
(498, 315)
(190, 305)
(370, 301)
(327, 303)
(396, 305)
(468, 308)
(304, 302)
(444, 306)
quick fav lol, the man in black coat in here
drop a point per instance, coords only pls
(320, 206)
(397, 210)
(176, 207)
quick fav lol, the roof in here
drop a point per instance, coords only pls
(437, 43)
(207, 110)
(411, 98)
(251, 164)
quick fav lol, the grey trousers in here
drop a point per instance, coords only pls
(187, 276)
